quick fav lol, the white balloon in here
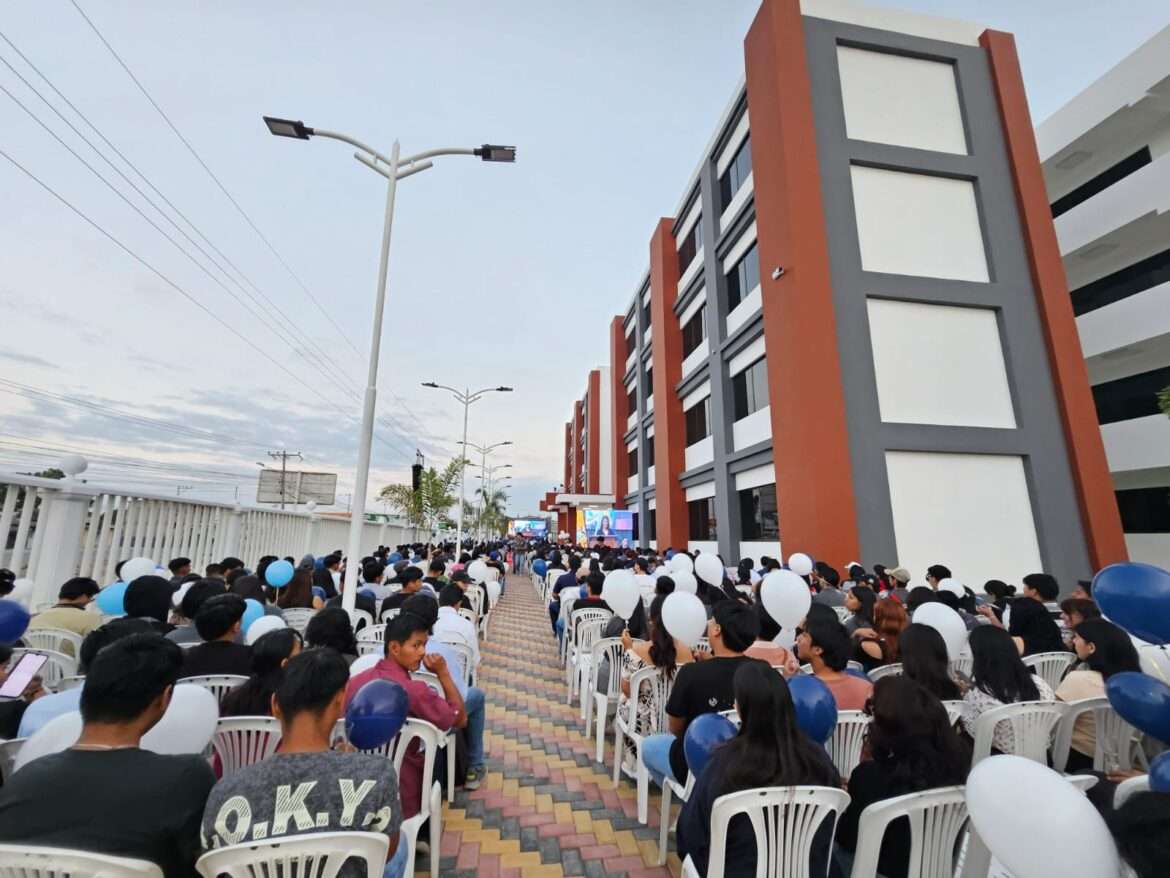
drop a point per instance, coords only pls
(180, 593)
(709, 568)
(684, 581)
(73, 464)
(946, 622)
(621, 592)
(363, 663)
(136, 567)
(492, 574)
(1001, 788)
(685, 617)
(785, 638)
(786, 598)
(477, 570)
(493, 590)
(187, 725)
(681, 561)
(262, 626)
(22, 590)
(953, 586)
(59, 733)
(800, 564)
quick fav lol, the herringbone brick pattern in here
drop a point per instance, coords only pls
(545, 807)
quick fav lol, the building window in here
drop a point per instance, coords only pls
(1102, 181)
(632, 400)
(653, 533)
(749, 389)
(1132, 397)
(646, 314)
(1145, 510)
(1122, 284)
(631, 342)
(649, 453)
(650, 382)
(743, 278)
(694, 331)
(758, 517)
(637, 535)
(701, 516)
(698, 419)
(633, 460)
(690, 246)
(736, 173)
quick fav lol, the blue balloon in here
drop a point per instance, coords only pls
(110, 598)
(395, 557)
(253, 610)
(704, 734)
(1142, 701)
(539, 567)
(368, 592)
(319, 592)
(13, 620)
(1136, 597)
(816, 709)
(376, 714)
(1160, 773)
(279, 573)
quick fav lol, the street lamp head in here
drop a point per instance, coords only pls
(490, 152)
(506, 442)
(288, 128)
(430, 384)
(502, 389)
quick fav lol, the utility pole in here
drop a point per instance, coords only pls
(179, 489)
(283, 457)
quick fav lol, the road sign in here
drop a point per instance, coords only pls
(296, 487)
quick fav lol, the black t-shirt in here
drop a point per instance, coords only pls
(217, 657)
(700, 687)
(1030, 622)
(126, 803)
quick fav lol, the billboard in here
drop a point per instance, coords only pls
(613, 527)
(296, 487)
(532, 528)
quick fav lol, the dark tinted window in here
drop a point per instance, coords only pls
(632, 400)
(633, 460)
(646, 313)
(694, 331)
(1145, 510)
(1102, 181)
(637, 533)
(690, 246)
(649, 453)
(1132, 397)
(743, 278)
(697, 418)
(652, 534)
(757, 513)
(701, 518)
(736, 173)
(1129, 281)
(749, 389)
(649, 382)
(631, 342)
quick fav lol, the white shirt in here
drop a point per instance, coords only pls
(451, 626)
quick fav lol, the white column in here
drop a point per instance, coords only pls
(231, 534)
(382, 534)
(62, 527)
(310, 534)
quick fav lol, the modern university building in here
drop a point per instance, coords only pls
(854, 337)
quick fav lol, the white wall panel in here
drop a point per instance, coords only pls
(701, 492)
(755, 477)
(746, 357)
(755, 551)
(756, 427)
(745, 310)
(700, 453)
(703, 546)
(696, 396)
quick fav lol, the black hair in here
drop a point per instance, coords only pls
(868, 597)
(249, 587)
(199, 593)
(924, 660)
(1141, 830)
(663, 585)
(372, 571)
(939, 571)
(770, 749)
(998, 670)
(331, 561)
(833, 641)
(769, 627)
(1086, 585)
(311, 682)
(918, 596)
(214, 570)
(1082, 607)
(828, 574)
(5, 653)
(177, 564)
(149, 596)
(574, 563)
(126, 676)
(1045, 584)
(596, 582)
(76, 587)
(663, 653)
(912, 737)
(424, 606)
(739, 624)
(818, 612)
(743, 571)
(102, 637)
(1114, 652)
(999, 590)
(254, 697)
(331, 627)
(450, 596)
(231, 563)
(403, 626)
(436, 566)
(947, 599)
(218, 614)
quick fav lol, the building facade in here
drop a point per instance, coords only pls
(1106, 158)
(854, 337)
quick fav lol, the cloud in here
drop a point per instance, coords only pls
(27, 359)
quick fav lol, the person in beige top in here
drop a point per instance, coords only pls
(1104, 650)
(69, 612)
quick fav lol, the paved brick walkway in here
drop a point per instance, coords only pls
(545, 807)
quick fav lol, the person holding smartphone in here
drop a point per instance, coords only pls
(15, 698)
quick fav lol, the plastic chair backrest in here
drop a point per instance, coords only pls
(57, 668)
(361, 620)
(785, 820)
(53, 639)
(319, 854)
(298, 617)
(387, 615)
(466, 660)
(937, 818)
(240, 741)
(430, 679)
(24, 861)
(74, 682)
(658, 686)
(475, 598)
(588, 630)
(891, 670)
(1032, 723)
(218, 685)
(848, 737)
(1050, 666)
(8, 753)
(467, 614)
(370, 647)
(602, 649)
(430, 739)
(374, 633)
(963, 665)
(1128, 787)
(704, 645)
(1113, 735)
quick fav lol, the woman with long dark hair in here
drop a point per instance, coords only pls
(331, 627)
(269, 656)
(1104, 650)
(924, 660)
(769, 751)
(879, 645)
(914, 748)
(859, 601)
(299, 592)
(999, 677)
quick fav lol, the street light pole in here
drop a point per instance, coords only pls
(373, 159)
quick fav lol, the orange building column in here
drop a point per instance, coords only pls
(619, 411)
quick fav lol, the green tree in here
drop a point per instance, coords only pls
(490, 517)
(1164, 400)
(426, 507)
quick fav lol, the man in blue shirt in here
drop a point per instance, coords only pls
(565, 580)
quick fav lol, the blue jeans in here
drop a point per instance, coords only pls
(397, 863)
(473, 703)
(559, 628)
(656, 756)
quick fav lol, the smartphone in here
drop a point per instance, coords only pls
(21, 674)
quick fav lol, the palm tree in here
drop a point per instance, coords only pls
(428, 506)
(490, 515)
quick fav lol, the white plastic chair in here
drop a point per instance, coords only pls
(467, 614)
(218, 685)
(361, 620)
(298, 617)
(387, 615)
(370, 647)
(597, 704)
(448, 738)
(8, 752)
(1129, 787)
(1050, 666)
(57, 668)
(466, 660)
(586, 633)
(25, 861)
(1114, 737)
(53, 639)
(74, 682)
(937, 818)
(1032, 724)
(785, 820)
(848, 738)
(891, 670)
(854, 666)
(321, 854)
(240, 741)
(963, 664)
(670, 788)
(373, 633)
(659, 689)
(431, 805)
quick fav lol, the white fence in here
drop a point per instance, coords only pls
(53, 529)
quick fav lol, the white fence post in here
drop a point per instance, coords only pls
(230, 542)
(59, 529)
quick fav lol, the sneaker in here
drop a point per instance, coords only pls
(473, 780)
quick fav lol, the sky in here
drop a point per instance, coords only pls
(179, 371)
